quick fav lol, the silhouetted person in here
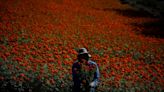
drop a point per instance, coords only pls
(85, 72)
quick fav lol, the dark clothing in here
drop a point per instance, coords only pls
(78, 76)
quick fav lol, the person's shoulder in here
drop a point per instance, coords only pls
(92, 62)
(75, 62)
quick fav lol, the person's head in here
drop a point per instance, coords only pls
(83, 55)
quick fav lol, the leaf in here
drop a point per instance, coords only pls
(1, 60)
(126, 45)
(45, 67)
(56, 77)
(136, 55)
(56, 89)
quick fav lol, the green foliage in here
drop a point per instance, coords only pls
(34, 83)
(148, 3)
(23, 40)
(136, 55)
(96, 51)
(154, 7)
(4, 40)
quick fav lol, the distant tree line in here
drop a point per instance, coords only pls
(154, 7)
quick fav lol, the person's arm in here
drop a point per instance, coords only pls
(75, 73)
(96, 77)
(75, 77)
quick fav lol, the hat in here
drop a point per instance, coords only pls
(83, 51)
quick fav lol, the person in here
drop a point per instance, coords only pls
(85, 73)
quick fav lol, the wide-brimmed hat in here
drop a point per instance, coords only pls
(83, 51)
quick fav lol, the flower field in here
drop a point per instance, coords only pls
(39, 40)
